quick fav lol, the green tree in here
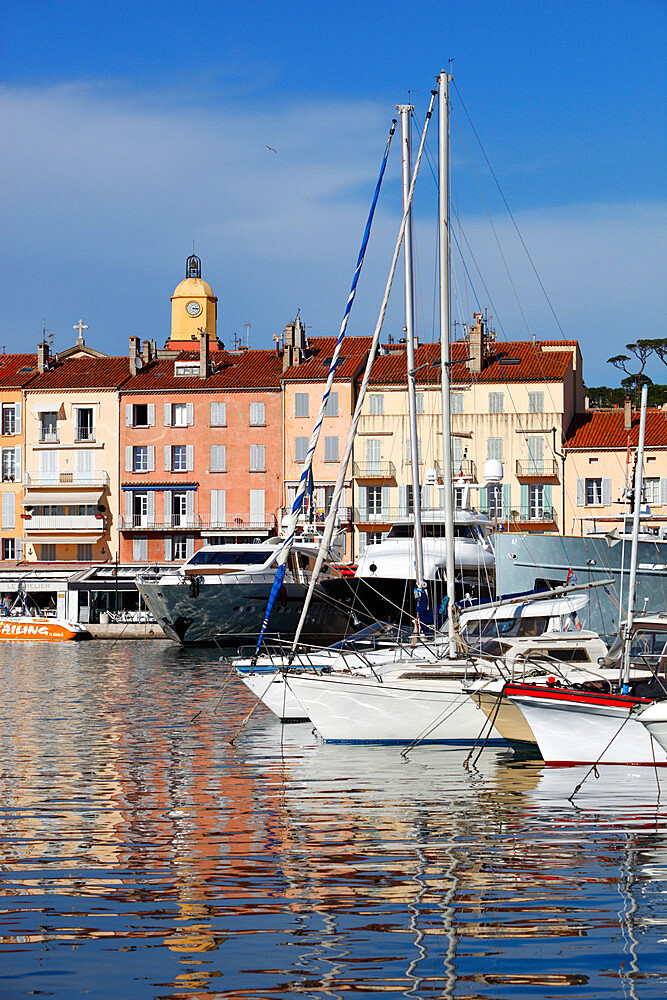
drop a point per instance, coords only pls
(642, 351)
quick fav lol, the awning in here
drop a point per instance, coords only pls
(35, 498)
(52, 406)
(67, 538)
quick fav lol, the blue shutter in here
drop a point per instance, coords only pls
(525, 500)
(363, 503)
(507, 499)
(483, 500)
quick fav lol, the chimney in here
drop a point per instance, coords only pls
(42, 357)
(203, 354)
(288, 347)
(476, 337)
(627, 414)
(146, 352)
(134, 351)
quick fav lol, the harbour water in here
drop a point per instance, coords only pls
(145, 855)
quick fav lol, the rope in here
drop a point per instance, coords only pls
(594, 767)
(490, 722)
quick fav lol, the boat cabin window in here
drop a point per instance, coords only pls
(508, 627)
(248, 558)
(567, 655)
(436, 530)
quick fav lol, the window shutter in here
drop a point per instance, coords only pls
(218, 504)
(8, 510)
(386, 500)
(581, 492)
(128, 508)
(151, 414)
(257, 414)
(441, 497)
(456, 402)
(547, 499)
(525, 500)
(167, 548)
(189, 457)
(151, 507)
(402, 501)
(17, 464)
(331, 449)
(218, 414)
(218, 458)
(190, 508)
(663, 490)
(167, 414)
(606, 492)
(363, 503)
(457, 454)
(300, 449)
(128, 458)
(140, 549)
(362, 541)
(373, 454)
(151, 458)
(257, 463)
(426, 497)
(420, 403)
(17, 418)
(484, 500)
(189, 414)
(128, 414)
(494, 448)
(167, 508)
(189, 547)
(301, 404)
(507, 499)
(257, 506)
(18, 549)
(331, 409)
(376, 405)
(167, 458)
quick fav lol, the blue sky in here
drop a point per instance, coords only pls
(134, 128)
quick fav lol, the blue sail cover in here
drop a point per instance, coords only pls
(306, 474)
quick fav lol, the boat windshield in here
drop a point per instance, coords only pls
(648, 650)
(506, 627)
(431, 531)
(242, 558)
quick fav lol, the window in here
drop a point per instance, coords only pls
(48, 427)
(8, 511)
(85, 430)
(376, 405)
(218, 414)
(182, 370)
(408, 454)
(8, 419)
(140, 549)
(536, 402)
(47, 553)
(494, 448)
(8, 465)
(331, 449)
(257, 415)
(300, 449)
(218, 458)
(420, 403)
(373, 456)
(536, 502)
(373, 537)
(179, 508)
(536, 454)
(410, 499)
(594, 492)
(496, 402)
(374, 499)
(331, 409)
(179, 415)
(652, 490)
(495, 501)
(9, 548)
(458, 497)
(179, 458)
(456, 402)
(140, 458)
(180, 547)
(140, 415)
(257, 458)
(84, 552)
(301, 404)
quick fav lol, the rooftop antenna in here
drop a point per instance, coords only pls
(247, 333)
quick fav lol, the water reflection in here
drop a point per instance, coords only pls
(143, 855)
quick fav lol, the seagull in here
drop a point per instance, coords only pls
(272, 149)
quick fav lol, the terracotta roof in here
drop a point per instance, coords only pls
(232, 370)
(321, 349)
(534, 364)
(12, 375)
(596, 429)
(83, 373)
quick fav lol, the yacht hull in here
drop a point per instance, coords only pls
(271, 689)
(654, 719)
(347, 709)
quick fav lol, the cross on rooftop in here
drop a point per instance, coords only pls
(80, 326)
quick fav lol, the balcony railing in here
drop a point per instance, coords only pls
(536, 468)
(521, 515)
(343, 516)
(374, 470)
(238, 522)
(84, 434)
(198, 522)
(64, 523)
(49, 437)
(56, 479)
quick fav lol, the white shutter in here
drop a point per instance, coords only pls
(419, 400)
(151, 414)
(17, 464)
(150, 497)
(373, 454)
(301, 404)
(128, 414)
(151, 458)
(167, 508)
(386, 499)
(535, 453)
(402, 501)
(167, 548)
(167, 458)
(331, 409)
(363, 503)
(189, 414)
(128, 458)
(18, 549)
(331, 449)
(257, 463)
(663, 491)
(218, 458)
(8, 510)
(189, 457)
(140, 549)
(426, 497)
(190, 508)
(83, 464)
(17, 418)
(189, 547)
(494, 448)
(257, 506)
(362, 541)
(128, 508)
(257, 414)
(581, 492)
(218, 502)
(606, 492)
(167, 414)
(218, 414)
(457, 455)
(300, 449)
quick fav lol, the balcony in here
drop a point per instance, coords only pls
(465, 468)
(56, 479)
(64, 523)
(49, 437)
(237, 522)
(536, 468)
(84, 435)
(344, 516)
(521, 515)
(374, 470)
(142, 522)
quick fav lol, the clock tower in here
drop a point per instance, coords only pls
(194, 307)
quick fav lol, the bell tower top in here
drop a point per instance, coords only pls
(194, 308)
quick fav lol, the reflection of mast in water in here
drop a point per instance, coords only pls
(627, 920)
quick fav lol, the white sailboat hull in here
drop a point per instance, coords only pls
(571, 728)
(654, 719)
(347, 709)
(271, 689)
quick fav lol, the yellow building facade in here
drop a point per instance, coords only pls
(15, 371)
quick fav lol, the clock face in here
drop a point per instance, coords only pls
(193, 308)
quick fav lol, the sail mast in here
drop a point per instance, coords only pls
(405, 111)
(445, 248)
(632, 585)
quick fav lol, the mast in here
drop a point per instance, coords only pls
(405, 111)
(444, 240)
(632, 585)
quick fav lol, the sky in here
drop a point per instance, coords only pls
(132, 129)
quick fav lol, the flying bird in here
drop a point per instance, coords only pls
(272, 149)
